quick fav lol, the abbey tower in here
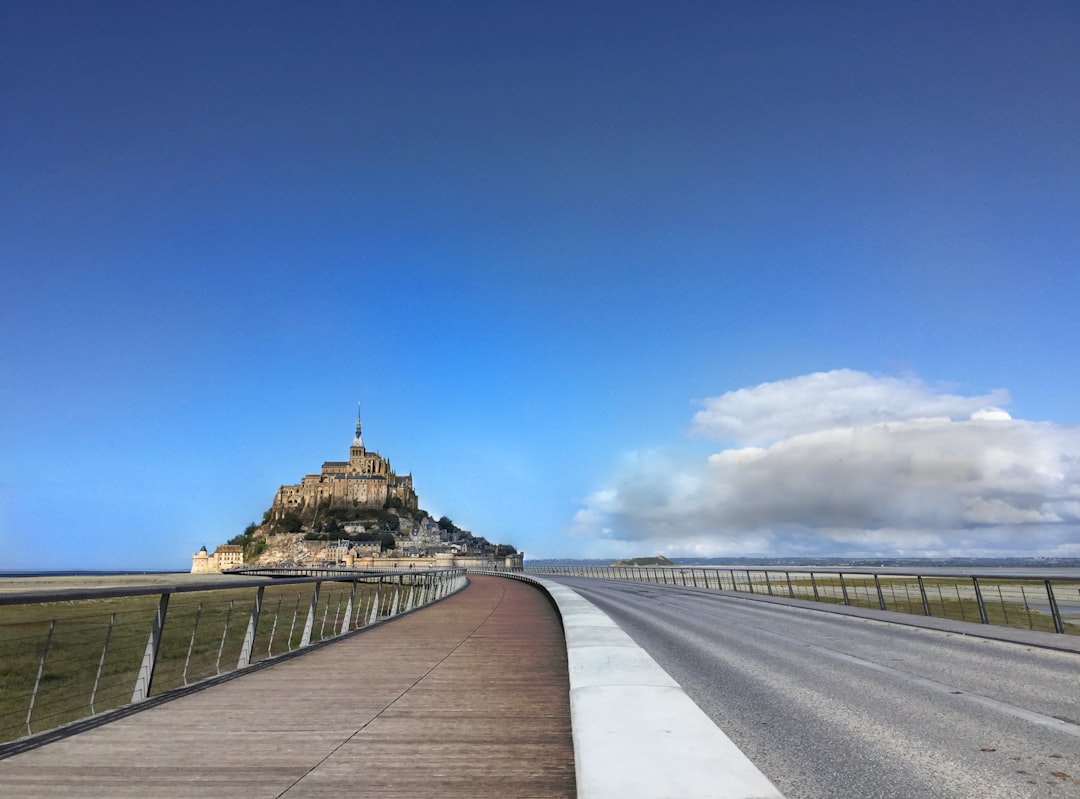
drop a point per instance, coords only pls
(364, 481)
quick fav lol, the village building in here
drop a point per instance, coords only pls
(226, 556)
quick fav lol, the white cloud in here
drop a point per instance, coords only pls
(823, 400)
(852, 462)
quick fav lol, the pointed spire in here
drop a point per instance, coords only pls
(359, 440)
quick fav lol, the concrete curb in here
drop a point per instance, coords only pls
(636, 732)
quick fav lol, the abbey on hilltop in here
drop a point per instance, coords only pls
(365, 480)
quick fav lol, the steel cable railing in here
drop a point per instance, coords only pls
(1044, 602)
(65, 656)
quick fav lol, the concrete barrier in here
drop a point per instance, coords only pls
(636, 732)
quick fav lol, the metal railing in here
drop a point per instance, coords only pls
(1044, 602)
(69, 655)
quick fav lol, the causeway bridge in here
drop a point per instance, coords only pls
(434, 684)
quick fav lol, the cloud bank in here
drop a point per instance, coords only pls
(844, 462)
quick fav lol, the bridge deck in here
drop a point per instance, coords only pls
(466, 698)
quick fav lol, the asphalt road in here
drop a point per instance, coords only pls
(829, 706)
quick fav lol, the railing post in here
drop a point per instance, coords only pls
(309, 625)
(153, 644)
(880, 596)
(346, 622)
(843, 588)
(922, 594)
(813, 583)
(749, 582)
(979, 601)
(375, 605)
(397, 595)
(1059, 626)
(253, 625)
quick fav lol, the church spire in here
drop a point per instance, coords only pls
(359, 440)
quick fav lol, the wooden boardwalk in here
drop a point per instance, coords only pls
(467, 698)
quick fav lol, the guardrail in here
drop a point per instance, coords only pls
(1046, 602)
(70, 655)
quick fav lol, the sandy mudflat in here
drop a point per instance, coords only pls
(82, 581)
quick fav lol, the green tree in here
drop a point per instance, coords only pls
(244, 539)
(387, 542)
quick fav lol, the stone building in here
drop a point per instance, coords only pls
(364, 480)
(227, 556)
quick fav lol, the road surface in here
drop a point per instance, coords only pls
(829, 706)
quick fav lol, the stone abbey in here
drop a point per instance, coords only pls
(364, 481)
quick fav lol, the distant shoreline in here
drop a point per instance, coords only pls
(79, 572)
(19, 582)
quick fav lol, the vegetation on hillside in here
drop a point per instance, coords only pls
(253, 545)
(384, 525)
(658, 560)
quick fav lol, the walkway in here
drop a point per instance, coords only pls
(467, 698)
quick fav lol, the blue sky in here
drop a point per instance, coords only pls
(608, 278)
